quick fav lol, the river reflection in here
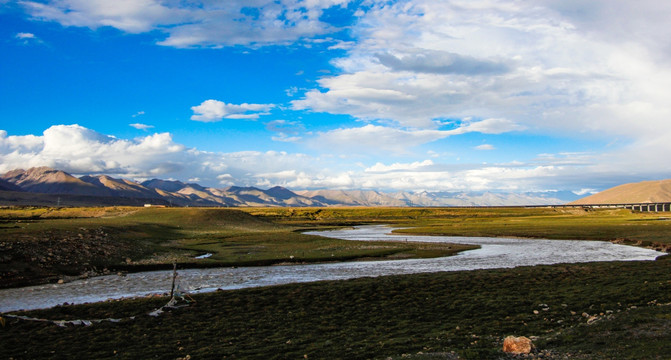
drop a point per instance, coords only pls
(494, 253)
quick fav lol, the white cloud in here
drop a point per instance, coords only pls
(440, 62)
(585, 192)
(195, 23)
(485, 147)
(19, 144)
(292, 90)
(79, 150)
(375, 138)
(226, 179)
(282, 137)
(378, 138)
(22, 35)
(141, 126)
(491, 126)
(133, 16)
(215, 110)
(28, 38)
(380, 167)
(551, 67)
(82, 150)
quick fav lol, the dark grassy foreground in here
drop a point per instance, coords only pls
(619, 310)
(626, 306)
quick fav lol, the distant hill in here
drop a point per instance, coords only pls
(353, 197)
(103, 189)
(120, 187)
(642, 192)
(49, 181)
(7, 186)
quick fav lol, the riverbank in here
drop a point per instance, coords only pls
(491, 253)
(581, 311)
(42, 245)
(48, 245)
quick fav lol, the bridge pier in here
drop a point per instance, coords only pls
(641, 207)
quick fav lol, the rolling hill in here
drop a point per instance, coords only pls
(642, 192)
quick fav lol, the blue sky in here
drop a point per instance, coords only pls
(509, 96)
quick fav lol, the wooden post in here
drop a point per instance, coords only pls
(174, 276)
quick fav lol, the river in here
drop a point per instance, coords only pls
(494, 253)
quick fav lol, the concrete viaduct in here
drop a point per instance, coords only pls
(644, 207)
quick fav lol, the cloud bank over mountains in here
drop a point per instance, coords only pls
(79, 150)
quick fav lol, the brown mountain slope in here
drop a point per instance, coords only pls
(642, 192)
(120, 187)
(50, 181)
(352, 197)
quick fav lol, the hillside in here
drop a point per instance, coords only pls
(7, 186)
(642, 192)
(49, 181)
(103, 189)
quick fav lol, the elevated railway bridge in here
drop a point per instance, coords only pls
(643, 207)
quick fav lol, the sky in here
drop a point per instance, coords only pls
(414, 95)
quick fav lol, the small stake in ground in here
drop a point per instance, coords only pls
(174, 276)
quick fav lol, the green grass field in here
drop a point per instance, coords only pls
(616, 310)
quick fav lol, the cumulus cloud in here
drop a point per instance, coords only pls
(215, 110)
(133, 16)
(380, 167)
(485, 147)
(80, 150)
(28, 38)
(491, 126)
(195, 23)
(378, 138)
(440, 62)
(22, 35)
(141, 126)
(553, 67)
(226, 179)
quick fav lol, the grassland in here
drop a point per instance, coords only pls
(617, 310)
(50, 244)
(643, 229)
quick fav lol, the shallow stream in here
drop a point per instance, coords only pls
(494, 253)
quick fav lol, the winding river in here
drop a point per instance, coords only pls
(494, 253)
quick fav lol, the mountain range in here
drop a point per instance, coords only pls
(44, 183)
